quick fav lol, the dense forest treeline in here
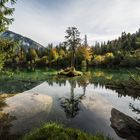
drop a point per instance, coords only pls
(121, 52)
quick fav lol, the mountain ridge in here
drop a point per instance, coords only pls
(25, 42)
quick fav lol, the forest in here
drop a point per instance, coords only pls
(121, 52)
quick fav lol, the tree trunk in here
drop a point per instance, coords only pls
(73, 56)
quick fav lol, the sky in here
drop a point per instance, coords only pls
(46, 21)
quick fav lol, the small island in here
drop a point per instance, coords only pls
(70, 72)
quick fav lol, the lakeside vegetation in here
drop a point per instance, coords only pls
(55, 131)
(116, 79)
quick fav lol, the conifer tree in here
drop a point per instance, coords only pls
(73, 40)
(5, 12)
(5, 21)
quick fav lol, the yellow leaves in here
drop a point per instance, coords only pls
(110, 54)
(17, 59)
(99, 59)
(54, 54)
(61, 53)
(85, 53)
(99, 74)
(109, 77)
(2, 57)
(102, 74)
(33, 54)
(102, 59)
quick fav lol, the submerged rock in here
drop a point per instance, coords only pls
(28, 108)
(124, 126)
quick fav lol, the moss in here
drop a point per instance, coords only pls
(70, 72)
(2, 99)
(5, 95)
(55, 131)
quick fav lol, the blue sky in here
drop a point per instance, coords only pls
(45, 21)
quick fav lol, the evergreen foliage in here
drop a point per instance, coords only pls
(121, 52)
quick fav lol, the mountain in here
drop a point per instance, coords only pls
(25, 42)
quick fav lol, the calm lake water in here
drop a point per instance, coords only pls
(82, 102)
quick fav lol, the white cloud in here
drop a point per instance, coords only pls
(99, 19)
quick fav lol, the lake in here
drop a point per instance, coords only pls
(83, 102)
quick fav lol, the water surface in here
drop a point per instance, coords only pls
(82, 102)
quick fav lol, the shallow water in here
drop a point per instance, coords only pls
(76, 102)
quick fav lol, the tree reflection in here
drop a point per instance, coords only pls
(5, 124)
(135, 109)
(5, 120)
(124, 91)
(71, 105)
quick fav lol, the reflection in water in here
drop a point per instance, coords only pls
(2, 104)
(71, 105)
(17, 86)
(125, 91)
(110, 81)
(29, 108)
(5, 125)
(93, 93)
(5, 121)
(136, 110)
(125, 126)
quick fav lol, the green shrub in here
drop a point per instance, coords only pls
(55, 131)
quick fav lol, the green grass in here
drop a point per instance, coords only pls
(55, 131)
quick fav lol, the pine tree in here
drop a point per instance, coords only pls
(85, 41)
(73, 40)
(5, 12)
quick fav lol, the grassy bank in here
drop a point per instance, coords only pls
(55, 131)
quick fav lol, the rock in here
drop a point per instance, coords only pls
(124, 126)
(29, 108)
